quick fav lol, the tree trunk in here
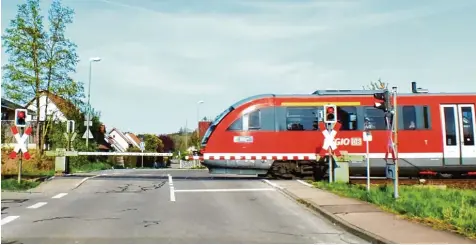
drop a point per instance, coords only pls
(39, 148)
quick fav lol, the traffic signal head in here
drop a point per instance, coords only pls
(20, 117)
(330, 114)
(384, 101)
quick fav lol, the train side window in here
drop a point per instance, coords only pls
(450, 126)
(302, 119)
(347, 116)
(254, 120)
(467, 113)
(409, 117)
(374, 119)
(237, 125)
(426, 117)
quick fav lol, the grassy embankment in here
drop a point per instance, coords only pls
(35, 170)
(447, 209)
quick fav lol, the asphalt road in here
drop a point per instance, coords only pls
(148, 206)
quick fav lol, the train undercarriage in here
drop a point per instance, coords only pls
(318, 170)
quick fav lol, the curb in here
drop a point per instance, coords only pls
(355, 230)
(86, 179)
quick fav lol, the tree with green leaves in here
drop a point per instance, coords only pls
(40, 60)
(152, 143)
(376, 85)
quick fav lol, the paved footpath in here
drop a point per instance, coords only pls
(157, 206)
(366, 220)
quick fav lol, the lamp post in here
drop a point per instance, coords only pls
(88, 119)
(198, 121)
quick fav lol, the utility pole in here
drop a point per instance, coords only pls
(88, 114)
(186, 135)
(198, 123)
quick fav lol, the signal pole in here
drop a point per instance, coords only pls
(330, 119)
(20, 164)
(395, 143)
(331, 158)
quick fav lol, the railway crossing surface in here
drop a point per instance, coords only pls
(192, 206)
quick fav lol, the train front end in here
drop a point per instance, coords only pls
(218, 145)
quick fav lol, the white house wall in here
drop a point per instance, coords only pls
(51, 110)
(119, 139)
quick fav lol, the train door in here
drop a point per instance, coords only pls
(467, 133)
(458, 134)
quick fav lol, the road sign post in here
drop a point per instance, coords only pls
(142, 148)
(367, 137)
(69, 135)
(88, 134)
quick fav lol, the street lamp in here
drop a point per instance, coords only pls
(198, 121)
(88, 119)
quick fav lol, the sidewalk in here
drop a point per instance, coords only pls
(367, 220)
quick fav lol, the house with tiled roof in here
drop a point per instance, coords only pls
(61, 110)
(133, 139)
(119, 141)
(56, 106)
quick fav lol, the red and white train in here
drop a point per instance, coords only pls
(278, 134)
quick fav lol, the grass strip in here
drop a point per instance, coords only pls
(13, 185)
(446, 209)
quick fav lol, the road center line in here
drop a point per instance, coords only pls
(170, 180)
(226, 190)
(172, 189)
(60, 195)
(37, 205)
(9, 219)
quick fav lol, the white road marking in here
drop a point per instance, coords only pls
(85, 179)
(226, 190)
(273, 184)
(304, 183)
(172, 189)
(171, 182)
(172, 194)
(37, 205)
(9, 219)
(60, 195)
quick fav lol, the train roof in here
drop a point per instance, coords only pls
(356, 93)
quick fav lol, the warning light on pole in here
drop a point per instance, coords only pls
(20, 117)
(330, 115)
(384, 101)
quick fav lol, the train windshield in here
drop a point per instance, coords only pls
(225, 112)
(214, 124)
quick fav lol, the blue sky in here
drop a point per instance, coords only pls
(160, 57)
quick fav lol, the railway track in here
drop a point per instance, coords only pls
(451, 183)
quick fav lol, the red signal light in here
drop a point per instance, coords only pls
(20, 117)
(330, 114)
